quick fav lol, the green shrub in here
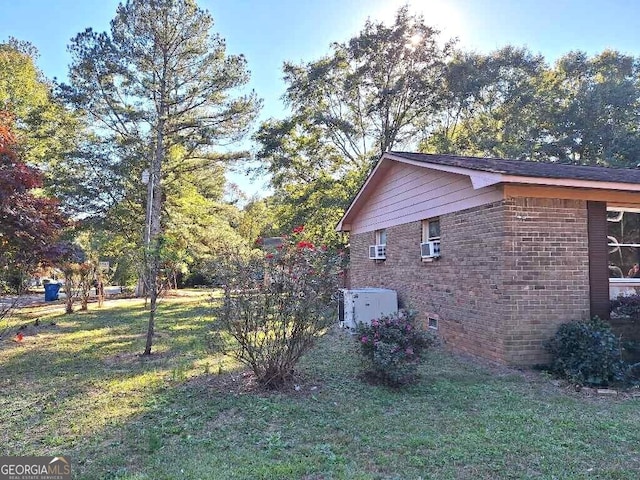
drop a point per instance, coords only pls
(631, 351)
(587, 353)
(393, 347)
(628, 306)
(276, 303)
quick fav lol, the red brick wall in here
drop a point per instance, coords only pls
(546, 272)
(509, 274)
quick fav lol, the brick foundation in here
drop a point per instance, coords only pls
(510, 273)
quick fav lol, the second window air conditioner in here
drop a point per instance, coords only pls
(378, 252)
(430, 249)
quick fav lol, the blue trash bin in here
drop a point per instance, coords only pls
(51, 292)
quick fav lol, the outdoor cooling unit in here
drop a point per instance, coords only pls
(377, 252)
(430, 249)
(362, 305)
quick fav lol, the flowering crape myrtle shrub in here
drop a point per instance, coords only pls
(393, 347)
(276, 302)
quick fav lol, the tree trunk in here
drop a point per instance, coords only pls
(153, 266)
(68, 291)
(155, 227)
(152, 318)
(153, 262)
(100, 291)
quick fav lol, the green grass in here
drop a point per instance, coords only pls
(77, 388)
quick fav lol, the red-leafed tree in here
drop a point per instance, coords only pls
(29, 223)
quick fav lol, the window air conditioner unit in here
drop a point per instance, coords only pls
(378, 252)
(430, 249)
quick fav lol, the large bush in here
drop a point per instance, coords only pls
(276, 302)
(393, 347)
(626, 306)
(587, 353)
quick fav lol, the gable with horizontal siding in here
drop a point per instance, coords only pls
(409, 193)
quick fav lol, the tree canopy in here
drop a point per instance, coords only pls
(46, 131)
(512, 104)
(160, 89)
(369, 95)
(401, 86)
(29, 223)
(159, 93)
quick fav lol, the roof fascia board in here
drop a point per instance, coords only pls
(566, 182)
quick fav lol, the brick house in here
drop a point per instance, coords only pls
(495, 254)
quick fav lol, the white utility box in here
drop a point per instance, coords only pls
(361, 305)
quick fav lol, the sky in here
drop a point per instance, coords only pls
(270, 32)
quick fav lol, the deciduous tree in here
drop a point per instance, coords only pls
(512, 104)
(491, 107)
(369, 95)
(374, 92)
(29, 223)
(46, 131)
(594, 109)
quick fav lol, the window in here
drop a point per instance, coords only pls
(430, 242)
(378, 251)
(430, 230)
(623, 236)
(432, 322)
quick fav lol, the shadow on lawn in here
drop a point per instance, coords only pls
(224, 413)
(80, 387)
(118, 416)
(214, 426)
(83, 375)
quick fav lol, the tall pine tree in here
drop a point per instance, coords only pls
(160, 84)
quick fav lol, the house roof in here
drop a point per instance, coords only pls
(528, 168)
(484, 172)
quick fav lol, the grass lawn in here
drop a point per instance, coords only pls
(78, 389)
